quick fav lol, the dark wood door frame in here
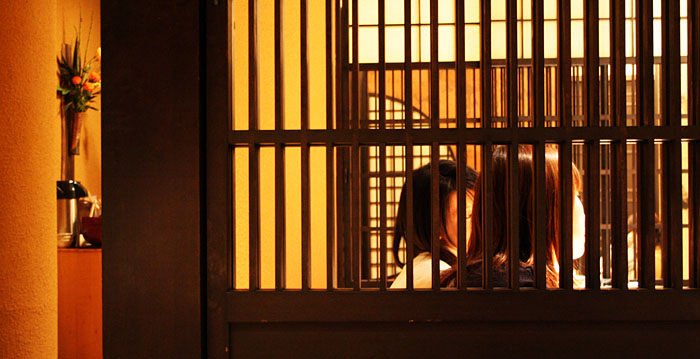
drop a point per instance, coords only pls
(151, 166)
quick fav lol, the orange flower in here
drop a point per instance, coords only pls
(89, 86)
(94, 77)
(76, 80)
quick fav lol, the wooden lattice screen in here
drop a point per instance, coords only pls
(318, 138)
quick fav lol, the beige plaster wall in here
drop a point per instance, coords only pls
(29, 162)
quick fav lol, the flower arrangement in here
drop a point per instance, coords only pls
(79, 77)
(79, 84)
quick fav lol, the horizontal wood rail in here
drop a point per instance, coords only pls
(468, 135)
(455, 305)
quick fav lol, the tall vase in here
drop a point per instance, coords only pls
(76, 127)
(70, 143)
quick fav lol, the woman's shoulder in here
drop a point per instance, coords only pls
(426, 259)
(500, 276)
(422, 272)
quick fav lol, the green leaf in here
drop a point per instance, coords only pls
(76, 56)
(87, 44)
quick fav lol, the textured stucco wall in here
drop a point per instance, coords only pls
(29, 161)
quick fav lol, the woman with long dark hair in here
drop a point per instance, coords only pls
(526, 233)
(422, 238)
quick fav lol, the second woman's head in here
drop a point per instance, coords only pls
(422, 211)
(526, 183)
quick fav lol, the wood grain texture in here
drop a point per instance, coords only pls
(79, 303)
(151, 152)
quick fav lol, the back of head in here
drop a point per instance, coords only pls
(526, 196)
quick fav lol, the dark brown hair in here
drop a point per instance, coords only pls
(421, 208)
(526, 206)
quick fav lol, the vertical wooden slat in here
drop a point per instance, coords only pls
(618, 149)
(280, 215)
(344, 98)
(355, 168)
(230, 157)
(592, 64)
(252, 65)
(487, 215)
(344, 216)
(280, 221)
(694, 211)
(671, 116)
(382, 148)
(485, 66)
(382, 217)
(230, 163)
(537, 105)
(435, 223)
(461, 151)
(537, 80)
(231, 215)
(618, 209)
(461, 79)
(409, 214)
(565, 255)
(254, 216)
(512, 63)
(408, 68)
(435, 146)
(645, 149)
(592, 201)
(539, 158)
(514, 216)
(304, 64)
(645, 62)
(355, 66)
(592, 113)
(305, 186)
(461, 215)
(342, 181)
(356, 220)
(408, 119)
(564, 108)
(693, 63)
(487, 149)
(328, 15)
(341, 74)
(512, 111)
(330, 220)
(694, 146)
(434, 68)
(305, 218)
(382, 64)
(564, 62)
(254, 158)
(645, 216)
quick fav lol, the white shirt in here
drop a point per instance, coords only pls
(422, 272)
